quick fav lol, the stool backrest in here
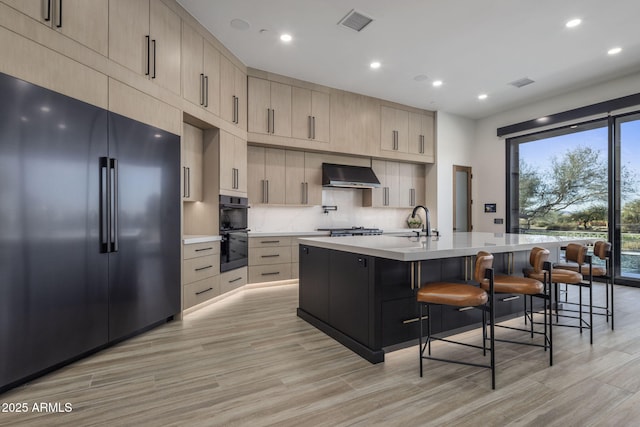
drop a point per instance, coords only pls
(576, 252)
(537, 258)
(601, 249)
(484, 260)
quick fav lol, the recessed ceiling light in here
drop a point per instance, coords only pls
(614, 51)
(483, 96)
(286, 38)
(573, 23)
(240, 24)
(437, 83)
(375, 64)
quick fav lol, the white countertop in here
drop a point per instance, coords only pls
(287, 233)
(423, 248)
(189, 239)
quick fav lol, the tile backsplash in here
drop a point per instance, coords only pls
(350, 213)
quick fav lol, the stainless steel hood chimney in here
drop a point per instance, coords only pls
(348, 176)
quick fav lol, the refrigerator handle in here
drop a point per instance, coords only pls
(113, 171)
(104, 205)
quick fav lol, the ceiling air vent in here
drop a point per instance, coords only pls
(521, 82)
(355, 20)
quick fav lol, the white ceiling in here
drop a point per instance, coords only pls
(473, 46)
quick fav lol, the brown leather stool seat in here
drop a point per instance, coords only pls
(461, 295)
(517, 285)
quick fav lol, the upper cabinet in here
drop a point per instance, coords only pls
(355, 124)
(266, 175)
(402, 185)
(394, 129)
(421, 135)
(144, 36)
(233, 93)
(200, 71)
(269, 107)
(411, 190)
(310, 114)
(233, 165)
(85, 21)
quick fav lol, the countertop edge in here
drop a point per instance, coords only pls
(192, 239)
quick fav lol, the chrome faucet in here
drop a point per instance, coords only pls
(426, 228)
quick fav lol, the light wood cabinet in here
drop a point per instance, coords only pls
(234, 279)
(387, 195)
(421, 135)
(144, 36)
(411, 187)
(394, 129)
(200, 71)
(303, 176)
(310, 115)
(270, 258)
(233, 165)
(233, 94)
(192, 163)
(85, 21)
(269, 107)
(200, 273)
(355, 124)
(266, 175)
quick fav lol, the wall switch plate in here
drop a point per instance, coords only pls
(498, 221)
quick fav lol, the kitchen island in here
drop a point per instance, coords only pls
(361, 290)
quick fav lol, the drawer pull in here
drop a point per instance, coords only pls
(204, 249)
(235, 280)
(415, 319)
(465, 309)
(204, 268)
(510, 298)
(270, 256)
(270, 241)
(274, 273)
(202, 292)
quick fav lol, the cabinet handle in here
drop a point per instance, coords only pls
(421, 144)
(237, 110)
(203, 249)
(204, 268)
(201, 89)
(513, 298)
(302, 193)
(310, 133)
(59, 24)
(306, 193)
(184, 181)
(237, 178)
(314, 127)
(202, 292)
(273, 121)
(415, 319)
(188, 182)
(386, 196)
(47, 17)
(395, 140)
(268, 120)
(148, 70)
(153, 76)
(412, 196)
(266, 182)
(206, 88)
(465, 309)
(274, 273)
(270, 256)
(235, 280)
(270, 241)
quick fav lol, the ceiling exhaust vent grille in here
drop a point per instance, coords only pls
(521, 82)
(355, 20)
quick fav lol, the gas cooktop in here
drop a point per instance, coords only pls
(352, 231)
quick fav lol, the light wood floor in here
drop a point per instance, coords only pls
(248, 360)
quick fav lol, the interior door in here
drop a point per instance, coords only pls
(144, 272)
(462, 198)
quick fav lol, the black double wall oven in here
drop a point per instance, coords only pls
(234, 248)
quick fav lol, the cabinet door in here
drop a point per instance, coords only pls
(259, 105)
(313, 292)
(128, 31)
(240, 88)
(275, 175)
(192, 159)
(320, 106)
(429, 137)
(313, 178)
(281, 109)
(394, 129)
(255, 175)
(421, 135)
(406, 188)
(226, 167)
(301, 114)
(240, 162)
(85, 21)
(212, 81)
(419, 184)
(295, 192)
(227, 89)
(392, 181)
(378, 195)
(192, 65)
(165, 46)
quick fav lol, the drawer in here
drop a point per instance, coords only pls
(200, 291)
(269, 242)
(400, 320)
(200, 249)
(230, 280)
(269, 256)
(195, 269)
(269, 273)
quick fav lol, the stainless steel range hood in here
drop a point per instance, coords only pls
(348, 176)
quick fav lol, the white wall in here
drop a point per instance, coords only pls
(488, 151)
(350, 213)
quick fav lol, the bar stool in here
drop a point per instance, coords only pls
(602, 250)
(537, 258)
(533, 288)
(461, 295)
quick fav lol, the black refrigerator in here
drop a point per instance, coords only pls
(89, 228)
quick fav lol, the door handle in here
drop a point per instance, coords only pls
(104, 205)
(113, 181)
